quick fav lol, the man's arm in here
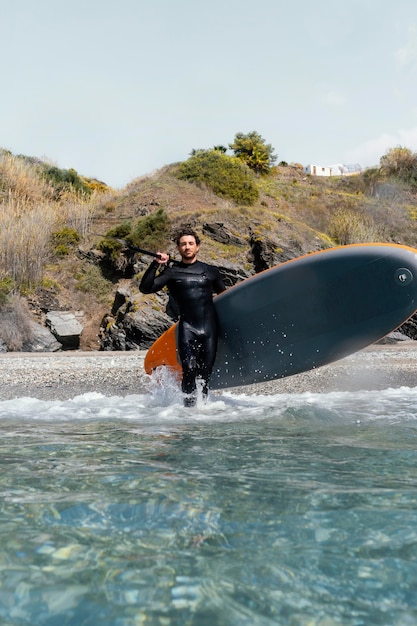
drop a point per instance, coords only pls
(151, 283)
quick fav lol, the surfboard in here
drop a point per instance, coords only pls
(305, 313)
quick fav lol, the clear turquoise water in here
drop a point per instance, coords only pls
(252, 510)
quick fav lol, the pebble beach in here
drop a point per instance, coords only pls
(63, 375)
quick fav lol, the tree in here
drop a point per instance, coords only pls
(400, 163)
(220, 148)
(252, 149)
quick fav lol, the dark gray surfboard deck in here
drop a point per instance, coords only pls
(308, 312)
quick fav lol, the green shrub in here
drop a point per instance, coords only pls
(64, 240)
(121, 230)
(66, 180)
(91, 280)
(151, 232)
(110, 246)
(227, 176)
(6, 289)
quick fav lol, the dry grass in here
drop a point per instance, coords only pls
(29, 215)
(78, 213)
(20, 180)
(24, 239)
(347, 227)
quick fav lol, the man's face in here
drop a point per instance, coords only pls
(188, 248)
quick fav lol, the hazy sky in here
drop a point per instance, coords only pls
(119, 89)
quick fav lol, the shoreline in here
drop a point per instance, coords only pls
(63, 375)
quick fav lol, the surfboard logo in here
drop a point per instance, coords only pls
(403, 276)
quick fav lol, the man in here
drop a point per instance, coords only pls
(191, 284)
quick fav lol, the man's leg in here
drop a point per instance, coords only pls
(189, 386)
(188, 354)
(206, 360)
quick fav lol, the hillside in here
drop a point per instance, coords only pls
(293, 215)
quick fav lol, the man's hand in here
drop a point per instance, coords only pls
(162, 257)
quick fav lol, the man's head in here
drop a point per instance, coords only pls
(188, 244)
(189, 232)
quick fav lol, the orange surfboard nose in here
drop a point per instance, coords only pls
(163, 352)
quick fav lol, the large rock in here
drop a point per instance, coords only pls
(42, 340)
(219, 232)
(233, 273)
(134, 322)
(65, 326)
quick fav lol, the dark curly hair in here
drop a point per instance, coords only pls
(186, 231)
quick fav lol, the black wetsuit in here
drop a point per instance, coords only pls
(192, 286)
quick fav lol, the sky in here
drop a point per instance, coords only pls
(117, 90)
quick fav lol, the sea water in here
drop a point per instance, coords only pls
(249, 510)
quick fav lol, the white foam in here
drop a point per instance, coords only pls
(163, 404)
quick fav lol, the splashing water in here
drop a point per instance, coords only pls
(248, 510)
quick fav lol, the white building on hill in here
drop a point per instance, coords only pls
(333, 170)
